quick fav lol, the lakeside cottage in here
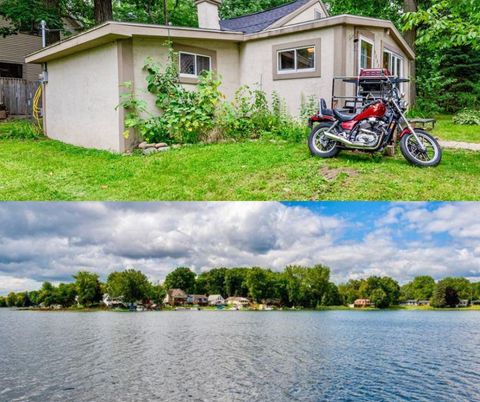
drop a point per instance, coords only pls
(294, 50)
(175, 297)
(238, 302)
(363, 303)
(200, 300)
(216, 300)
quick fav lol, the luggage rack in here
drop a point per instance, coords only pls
(369, 85)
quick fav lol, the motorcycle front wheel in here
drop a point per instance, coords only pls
(320, 145)
(429, 157)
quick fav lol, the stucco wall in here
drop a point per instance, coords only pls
(257, 68)
(381, 38)
(228, 60)
(81, 96)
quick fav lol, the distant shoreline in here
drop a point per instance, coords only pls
(168, 310)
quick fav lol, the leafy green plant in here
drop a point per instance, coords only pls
(185, 116)
(20, 130)
(467, 117)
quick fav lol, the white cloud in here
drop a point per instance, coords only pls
(52, 241)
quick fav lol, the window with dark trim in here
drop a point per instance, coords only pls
(296, 60)
(192, 65)
(10, 70)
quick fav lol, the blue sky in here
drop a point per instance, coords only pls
(52, 241)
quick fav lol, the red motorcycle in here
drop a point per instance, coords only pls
(372, 130)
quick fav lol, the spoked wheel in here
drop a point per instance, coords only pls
(430, 156)
(320, 145)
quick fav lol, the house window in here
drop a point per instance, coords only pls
(296, 60)
(393, 63)
(193, 65)
(9, 70)
(365, 54)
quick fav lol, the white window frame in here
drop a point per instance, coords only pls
(296, 70)
(195, 55)
(371, 42)
(391, 57)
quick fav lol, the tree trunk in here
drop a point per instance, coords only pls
(53, 6)
(103, 11)
(411, 37)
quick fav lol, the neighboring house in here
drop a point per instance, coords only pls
(14, 49)
(409, 303)
(175, 297)
(239, 302)
(363, 303)
(423, 303)
(463, 303)
(113, 302)
(272, 302)
(216, 300)
(294, 50)
(200, 300)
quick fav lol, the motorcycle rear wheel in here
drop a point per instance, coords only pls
(320, 145)
(431, 157)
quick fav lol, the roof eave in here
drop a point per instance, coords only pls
(111, 31)
(344, 19)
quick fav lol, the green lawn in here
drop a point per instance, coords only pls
(49, 170)
(448, 131)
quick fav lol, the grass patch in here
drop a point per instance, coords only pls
(447, 130)
(20, 130)
(49, 170)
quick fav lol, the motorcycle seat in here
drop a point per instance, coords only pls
(343, 116)
(324, 110)
(334, 113)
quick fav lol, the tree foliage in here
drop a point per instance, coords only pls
(88, 288)
(130, 285)
(181, 278)
(420, 288)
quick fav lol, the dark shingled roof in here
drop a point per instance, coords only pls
(259, 21)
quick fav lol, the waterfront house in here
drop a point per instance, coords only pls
(425, 303)
(216, 300)
(239, 302)
(113, 302)
(272, 302)
(363, 303)
(200, 300)
(294, 50)
(175, 297)
(463, 303)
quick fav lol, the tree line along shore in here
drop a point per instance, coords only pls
(253, 288)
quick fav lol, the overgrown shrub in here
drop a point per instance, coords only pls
(20, 130)
(203, 115)
(467, 117)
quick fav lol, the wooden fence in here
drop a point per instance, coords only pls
(17, 95)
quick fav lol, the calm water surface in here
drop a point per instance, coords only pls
(236, 356)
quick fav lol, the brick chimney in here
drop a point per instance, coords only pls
(208, 13)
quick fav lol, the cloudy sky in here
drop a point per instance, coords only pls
(51, 241)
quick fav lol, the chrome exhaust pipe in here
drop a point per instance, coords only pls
(351, 144)
(338, 138)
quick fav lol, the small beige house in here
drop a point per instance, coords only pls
(295, 50)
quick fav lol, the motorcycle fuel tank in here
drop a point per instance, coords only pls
(377, 110)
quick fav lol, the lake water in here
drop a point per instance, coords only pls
(240, 356)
